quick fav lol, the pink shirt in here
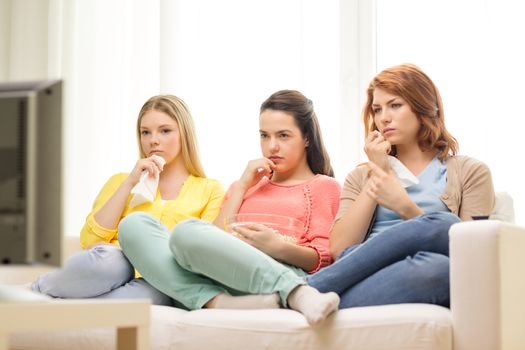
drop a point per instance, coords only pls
(314, 202)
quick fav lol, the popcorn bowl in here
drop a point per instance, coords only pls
(287, 227)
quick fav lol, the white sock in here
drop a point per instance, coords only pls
(252, 301)
(314, 305)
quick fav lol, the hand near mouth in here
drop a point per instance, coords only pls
(377, 148)
(255, 171)
(153, 165)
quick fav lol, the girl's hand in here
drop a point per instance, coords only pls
(261, 237)
(151, 164)
(377, 149)
(384, 187)
(255, 171)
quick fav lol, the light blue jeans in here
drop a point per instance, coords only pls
(198, 261)
(100, 272)
(407, 263)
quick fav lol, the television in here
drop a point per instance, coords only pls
(31, 172)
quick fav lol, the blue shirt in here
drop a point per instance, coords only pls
(426, 195)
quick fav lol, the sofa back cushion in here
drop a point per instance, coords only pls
(503, 208)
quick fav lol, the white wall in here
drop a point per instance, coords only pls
(111, 67)
(357, 65)
(224, 65)
(28, 42)
(5, 31)
(107, 53)
(474, 52)
(114, 54)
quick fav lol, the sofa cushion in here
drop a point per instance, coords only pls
(503, 208)
(403, 326)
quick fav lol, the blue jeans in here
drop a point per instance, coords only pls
(407, 263)
(99, 272)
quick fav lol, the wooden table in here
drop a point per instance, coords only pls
(131, 318)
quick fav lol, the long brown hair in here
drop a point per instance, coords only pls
(411, 84)
(302, 110)
(178, 111)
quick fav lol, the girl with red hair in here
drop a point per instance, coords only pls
(390, 236)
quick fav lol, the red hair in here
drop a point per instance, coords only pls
(411, 84)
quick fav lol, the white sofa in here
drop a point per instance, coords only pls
(487, 311)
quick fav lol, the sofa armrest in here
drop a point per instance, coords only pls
(487, 285)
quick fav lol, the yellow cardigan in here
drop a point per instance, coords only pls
(199, 198)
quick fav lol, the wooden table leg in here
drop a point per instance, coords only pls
(132, 338)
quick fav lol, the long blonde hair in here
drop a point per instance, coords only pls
(178, 111)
